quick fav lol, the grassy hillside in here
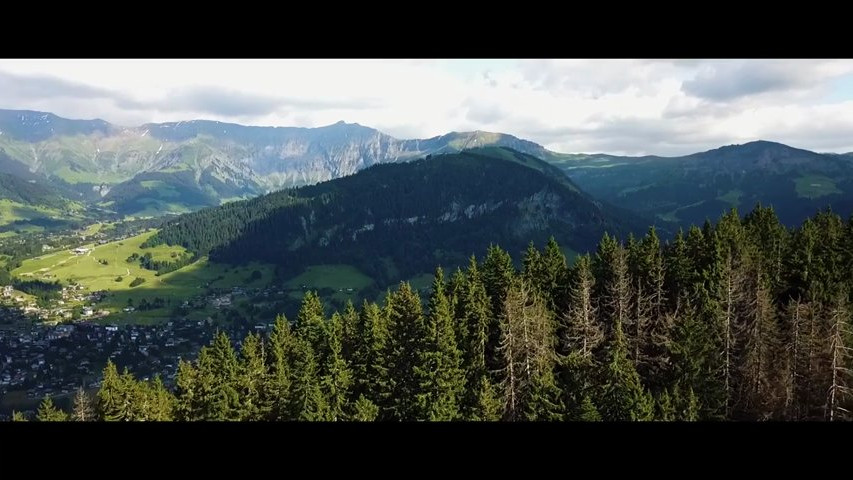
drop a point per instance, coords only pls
(687, 190)
(176, 286)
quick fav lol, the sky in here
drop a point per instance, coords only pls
(627, 107)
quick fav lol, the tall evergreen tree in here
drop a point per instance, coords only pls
(307, 401)
(476, 317)
(498, 272)
(349, 331)
(278, 384)
(311, 325)
(47, 412)
(403, 353)
(253, 380)
(442, 377)
(338, 377)
(113, 398)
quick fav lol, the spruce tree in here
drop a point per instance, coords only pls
(47, 412)
(218, 370)
(189, 403)
(311, 325)
(113, 401)
(621, 396)
(476, 317)
(349, 331)
(162, 402)
(278, 385)
(497, 273)
(307, 400)
(554, 271)
(365, 410)
(441, 374)
(338, 377)
(403, 353)
(252, 380)
(367, 365)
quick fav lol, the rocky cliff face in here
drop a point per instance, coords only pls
(210, 162)
(96, 152)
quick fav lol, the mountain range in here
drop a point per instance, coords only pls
(396, 221)
(178, 167)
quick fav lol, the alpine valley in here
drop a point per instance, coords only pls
(95, 169)
(471, 276)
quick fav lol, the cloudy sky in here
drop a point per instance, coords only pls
(614, 106)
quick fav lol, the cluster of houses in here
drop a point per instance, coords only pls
(55, 360)
(60, 309)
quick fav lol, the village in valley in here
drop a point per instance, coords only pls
(53, 344)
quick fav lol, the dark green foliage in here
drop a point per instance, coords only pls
(715, 325)
(337, 378)
(365, 410)
(441, 374)
(39, 288)
(47, 412)
(395, 221)
(137, 282)
(403, 354)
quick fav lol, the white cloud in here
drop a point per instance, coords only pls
(618, 106)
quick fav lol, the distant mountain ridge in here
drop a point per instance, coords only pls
(176, 167)
(394, 221)
(203, 163)
(689, 189)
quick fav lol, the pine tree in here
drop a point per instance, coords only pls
(47, 412)
(113, 398)
(252, 380)
(554, 271)
(367, 365)
(476, 317)
(278, 386)
(587, 412)
(83, 410)
(757, 378)
(403, 353)
(650, 328)
(487, 403)
(311, 325)
(338, 377)
(621, 396)
(533, 268)
(18, 417)
(664, 409)
(441, 374)
(188, 405)
(349, 331)
(218, 373)
(162, 402)
(307, 401)
(456, 294)
(498, 272)
(678, 269)
(365, 410)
